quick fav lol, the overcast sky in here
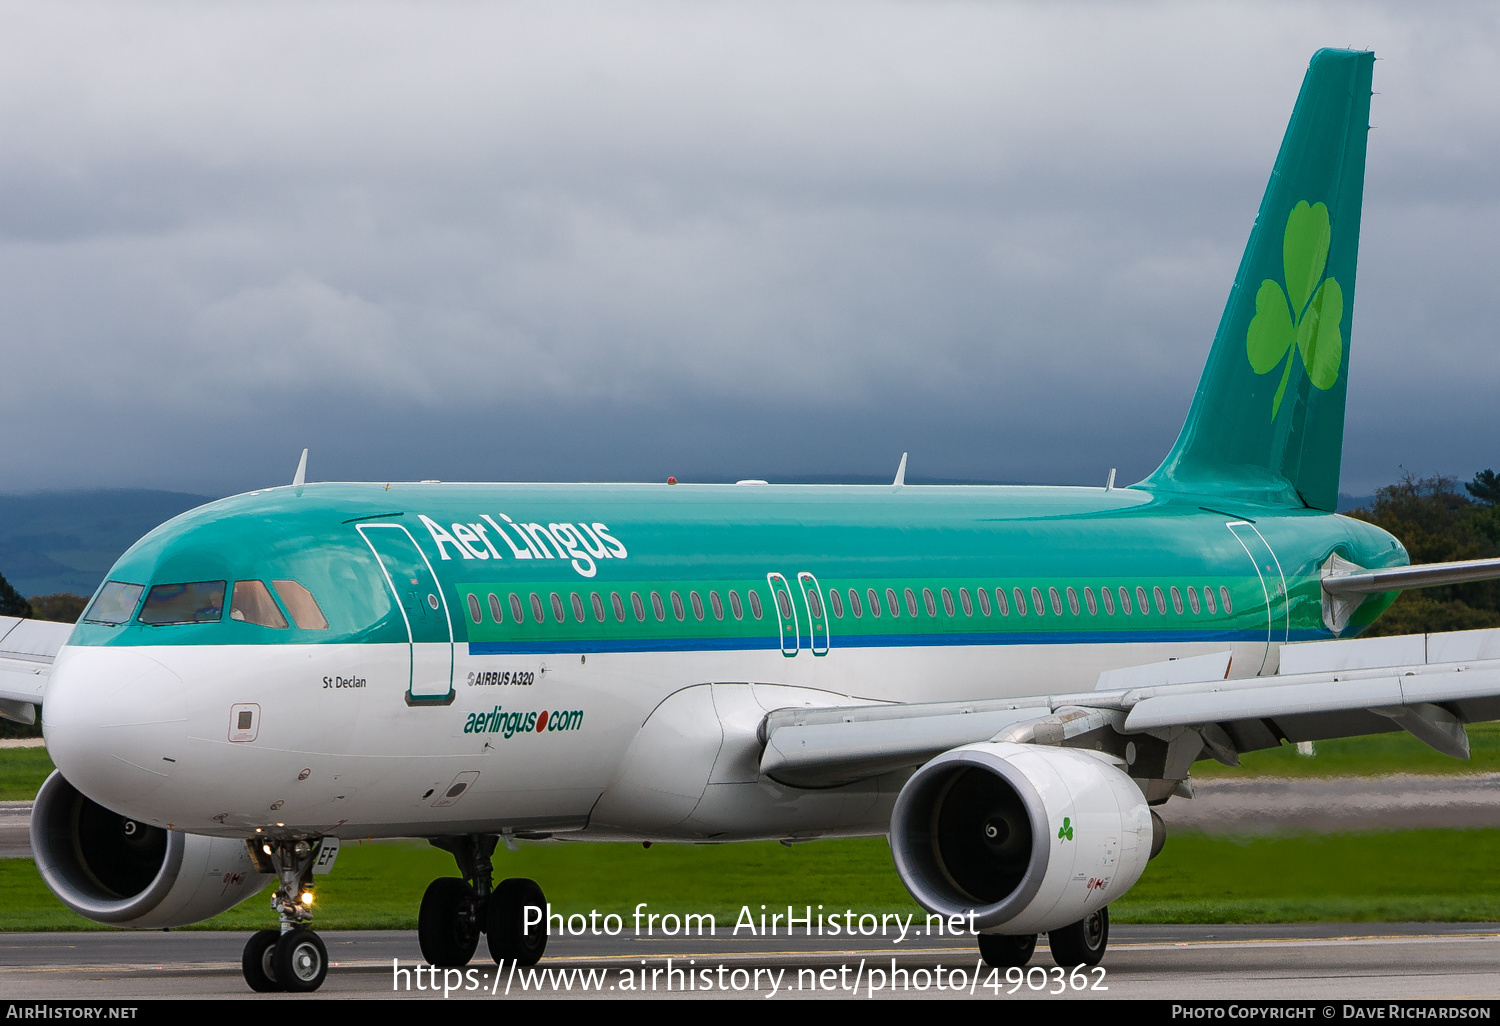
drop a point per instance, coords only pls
(618, 241)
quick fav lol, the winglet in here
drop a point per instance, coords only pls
(901, 472)
(300, 477)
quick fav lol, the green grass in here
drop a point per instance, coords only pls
(1371, 756)
(1434, 875)
(22, 771)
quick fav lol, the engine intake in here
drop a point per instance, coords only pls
(123, 872)
(1029, 838)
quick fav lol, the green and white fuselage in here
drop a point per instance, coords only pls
(610, 599)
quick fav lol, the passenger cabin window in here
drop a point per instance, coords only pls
(1125, 601)
(657, 607)
(1000, 603)
(1193, 600)
(784, 604)
(637, 606)
(557, 608)
(234, 613)
(1020, 598)
(717, 604)
(735, 607)
(697, 604)
(576, 601)
(947, 601)
(1208, 597)
(1089, 600)
(1109, 600)
(755, 603)
(597, 601)
(537, 611)
(1161, 600)
(198, 602)
(813, 605)
(618, 604)
(911, 601)
(677, 606)
(874, 602)
(1057, 602)
(305, 611)
(1141, 601)
(115, 603)
(1073, 601)
(891, 604)
(836, 603)
(965, 601)
(251, 602)
(854, 605)
(1224, 601)
(1036, 601)
(495, 613)
(517, 612)
(983, 595)
(1177, 600)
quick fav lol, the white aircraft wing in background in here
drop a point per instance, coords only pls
(27, 648)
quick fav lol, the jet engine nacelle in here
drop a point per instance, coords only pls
(119, 871)
(1028, 838)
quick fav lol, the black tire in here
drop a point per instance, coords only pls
(508, 939)
(256, 961)
(447, 924)
(1081, 943)
(1001, 951)
(301, 961)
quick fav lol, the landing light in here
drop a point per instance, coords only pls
(307, 897)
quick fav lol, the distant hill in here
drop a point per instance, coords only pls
(66, 541)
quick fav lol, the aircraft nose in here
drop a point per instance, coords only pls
(114, 719)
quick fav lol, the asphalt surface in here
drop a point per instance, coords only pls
(1257, 805)
(1313, 962)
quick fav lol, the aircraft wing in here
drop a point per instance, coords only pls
(27, 648)
(1428, 684)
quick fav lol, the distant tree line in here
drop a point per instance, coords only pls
(1437, 521)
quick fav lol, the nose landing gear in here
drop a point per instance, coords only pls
(292, 958)
(455, 912)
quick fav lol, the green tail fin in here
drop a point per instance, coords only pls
(1267, 423)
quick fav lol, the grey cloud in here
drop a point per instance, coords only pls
(618, 240)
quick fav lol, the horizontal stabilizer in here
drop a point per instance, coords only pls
(1420, 575)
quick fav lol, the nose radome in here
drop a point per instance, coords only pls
(114, 719)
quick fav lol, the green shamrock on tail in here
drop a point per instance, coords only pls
(1308, 312)
(1065, 832)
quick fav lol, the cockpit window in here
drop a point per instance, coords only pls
(303, 607)
(252, 603)
(197, 602)
(115, 603)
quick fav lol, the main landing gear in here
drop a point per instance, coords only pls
(292, 958)
(1080, 943)
(455, 912)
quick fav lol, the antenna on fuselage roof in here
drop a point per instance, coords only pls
(300, 477)
(1109, 485)
(901, 472)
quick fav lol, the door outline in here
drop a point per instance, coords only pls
(411, 643)
(779, 587)
(817, 626)
(1266, 589)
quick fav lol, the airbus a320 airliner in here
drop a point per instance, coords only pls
(1002, 680)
